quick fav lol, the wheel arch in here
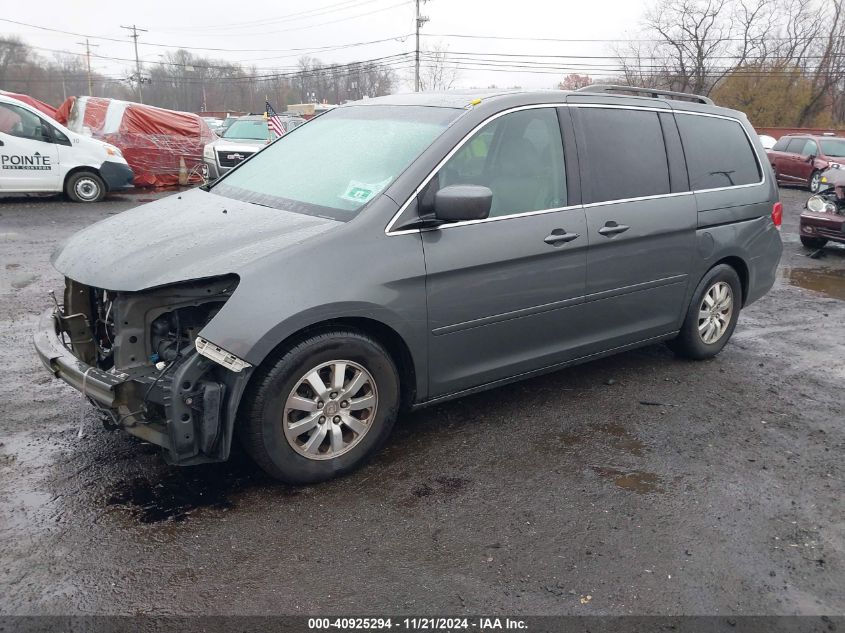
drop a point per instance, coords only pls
(84, 168)
(387, 336)
(741, 268)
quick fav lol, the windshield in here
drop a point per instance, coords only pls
(338, 162)
(833, 147)
(254, 130)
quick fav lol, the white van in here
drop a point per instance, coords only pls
(39, 155)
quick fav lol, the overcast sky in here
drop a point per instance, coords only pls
(267, 34)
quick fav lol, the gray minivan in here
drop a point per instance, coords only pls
(405, 250)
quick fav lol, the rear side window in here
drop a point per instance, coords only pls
(718, 152)
(626, 153)
(780, 146)
(796, 145)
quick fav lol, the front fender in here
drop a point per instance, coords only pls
(338, 278)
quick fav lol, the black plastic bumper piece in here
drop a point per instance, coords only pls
(116, 175)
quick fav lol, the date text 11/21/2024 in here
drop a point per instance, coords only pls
(417, 624)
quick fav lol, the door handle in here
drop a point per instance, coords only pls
(560, 236)
(612, 228)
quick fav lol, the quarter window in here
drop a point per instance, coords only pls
(780, 146)
(626, 153)
(718, 152)
(519, 156)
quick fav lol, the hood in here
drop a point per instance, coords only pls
(250, 145)
(190, 235)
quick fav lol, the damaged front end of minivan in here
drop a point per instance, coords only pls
(139, 358)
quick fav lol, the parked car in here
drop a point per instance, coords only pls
(405, 250)
(767, 141)
(40, 155)
(226, 124)
(244, 136)
(823, 219)
(214, 124)
(800, 159)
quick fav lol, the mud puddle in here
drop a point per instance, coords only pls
(610, 436)
(828, 281)
(633, 481)
(179, 493)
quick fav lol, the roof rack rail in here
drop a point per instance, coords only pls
(649, 91)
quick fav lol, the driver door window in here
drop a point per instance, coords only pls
(519, 157)
(16, 121)
(810, 149)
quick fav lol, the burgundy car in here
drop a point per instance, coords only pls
(800, 159)
(823, 219)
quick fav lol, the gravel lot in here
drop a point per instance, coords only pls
(564, 494)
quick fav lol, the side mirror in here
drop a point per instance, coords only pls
(458, 203)
(811, 158)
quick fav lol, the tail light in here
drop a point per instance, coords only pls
(777, 214)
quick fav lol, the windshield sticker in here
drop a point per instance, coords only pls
(362, 192)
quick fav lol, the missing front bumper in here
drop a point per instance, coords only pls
(101, 386)
(194, 427)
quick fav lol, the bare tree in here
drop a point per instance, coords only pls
(791, 51)
(437, 72)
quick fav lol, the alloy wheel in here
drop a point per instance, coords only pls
(330, 409)
(715, 311)
(815, 182)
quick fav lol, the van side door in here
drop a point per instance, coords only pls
(28, 157)
(504, 292)
(733, 195)
(641, 220)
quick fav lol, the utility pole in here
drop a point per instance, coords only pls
(421, 19)
(88, 62)
(134, 36)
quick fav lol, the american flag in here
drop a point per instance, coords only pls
(274, 121)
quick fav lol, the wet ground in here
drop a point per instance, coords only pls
(651, 485)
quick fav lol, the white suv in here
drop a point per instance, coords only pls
(242, 139)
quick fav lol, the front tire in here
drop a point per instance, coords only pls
(711, 316)
(321, 408)
(814, 243)
(85, 186)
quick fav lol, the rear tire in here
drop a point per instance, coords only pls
(711, 316)
(814, 184)
(85, 186)
(320, 409)
(814, 243)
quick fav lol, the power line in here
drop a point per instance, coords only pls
(206, 48)
(319, 24)
(351, 4)
(228, 28)
(615, 39)
(299, 51)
